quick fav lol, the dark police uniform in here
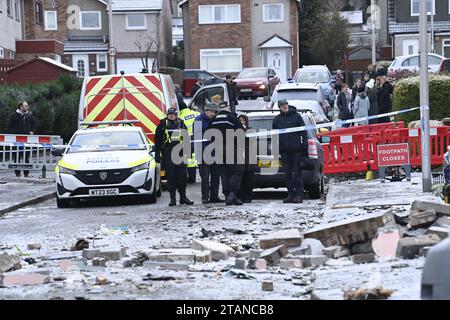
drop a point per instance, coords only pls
(168, 135)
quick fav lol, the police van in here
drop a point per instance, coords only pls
(143, 97)
(107, 162)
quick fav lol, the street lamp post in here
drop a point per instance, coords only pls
(424, 98)
(112, 63)
(373, 20)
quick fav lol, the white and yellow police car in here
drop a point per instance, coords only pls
(107, 162)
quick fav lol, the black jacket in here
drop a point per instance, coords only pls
(384, 98)
(250, 159)
(21, 123)
(232, 92)
(163, 147)
(295, 141)
(225, 120)
(344, 112)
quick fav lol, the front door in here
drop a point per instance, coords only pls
(81, 63)
(410, 47)
(276, 59)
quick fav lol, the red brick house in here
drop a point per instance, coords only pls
(224, 36)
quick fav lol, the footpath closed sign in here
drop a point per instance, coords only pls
(393, 155)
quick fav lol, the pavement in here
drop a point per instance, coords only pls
(143, 228)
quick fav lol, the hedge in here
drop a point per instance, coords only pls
(407, 95)
(54, 105)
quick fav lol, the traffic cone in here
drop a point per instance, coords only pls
(369, 175)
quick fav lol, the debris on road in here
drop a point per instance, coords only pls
(23, 278)
(150, 277)
(336, 252)
(419, 219)
(290, 238)
(290, 263)
(368, 294)
(9, 262)
(351, 231)
(34, 246)
(315, 246)
(238, 274)
(219, 251)
(90, 253)
(441, 232)
(363, 258)
(274, 255)
(99, 262)
(101, 281)
(408, 248)
(439, 208)
(113, 254)
(313, 260)
(80, 245)
(267, 286)
(257, 264)
(385, 245)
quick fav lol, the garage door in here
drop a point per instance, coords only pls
(131, 65)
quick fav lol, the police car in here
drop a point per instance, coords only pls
(107, 162)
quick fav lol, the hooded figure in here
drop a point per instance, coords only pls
(372, 94)
(361, 106)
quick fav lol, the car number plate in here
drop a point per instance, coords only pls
(246, 90)
(269, 164)
(103, 192)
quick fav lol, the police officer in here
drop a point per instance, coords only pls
(168, 135)
(231, 172)
(293, 149)
(208, 171)
(188, 117)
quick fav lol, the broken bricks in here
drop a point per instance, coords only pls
(408, 248)
(113, 254)
(90, 253)
(219, 251)
(363, 258)
(25, 278)
(273, 255)
(290, 238)
(418, 219)
(9, 262)
(439, 208)
(351, 231)
(312, 260)
(336, 252)
(99, 262)
(267, 286)
(290, 264)
(34, 246)
(441, 232)
(257, 264)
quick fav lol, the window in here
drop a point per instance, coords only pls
(446, 48)
(136, 22)
(101, 62)
(219, 14)
(411, 62)
(50, 20)
(221, 60)
(9, 8)
(38, 12)
(90, 20)
(415, 7)
(16, 10)
(273, 12)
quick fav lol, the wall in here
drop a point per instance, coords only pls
(91, 5)
(14, 27)
(210, 36)
(35, 72)
(403, 11)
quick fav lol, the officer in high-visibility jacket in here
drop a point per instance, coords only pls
(188, 117)
(168, 135)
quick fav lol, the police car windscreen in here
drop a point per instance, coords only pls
(104, 141)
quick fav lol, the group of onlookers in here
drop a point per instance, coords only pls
(369, 96)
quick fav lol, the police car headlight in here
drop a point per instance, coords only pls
(67, 171)
(140, 167)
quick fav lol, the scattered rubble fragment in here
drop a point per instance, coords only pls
(315, 245)
(257, 264)
(23, 278)
(385, 245)
(267, 286)
(90, 253)
(274, 255)
(363, 247)
(238, 274)
(439, 208)
(300, 251)
(351, 231)
(290, 238)
(9, 262)
(312, 260)
(80, 245)
(419, 219)
(441, 232)
(99, 262)
(101, 281)
(34, 246)
(219, 251)
(408, 248)
(290, 263)
(336, 252)
(363, 258)
(368, 294)
(113, 254)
